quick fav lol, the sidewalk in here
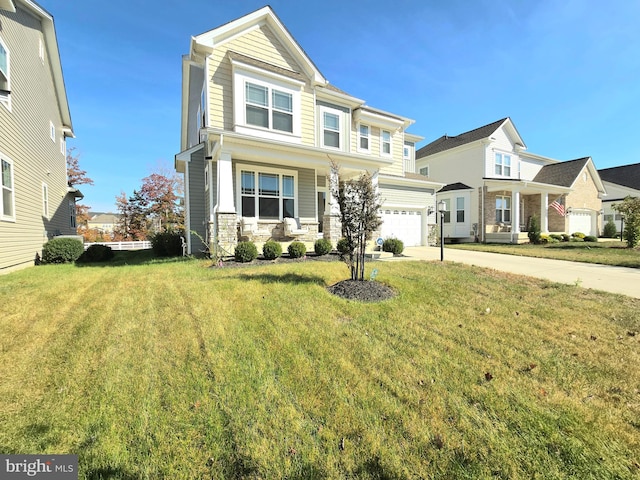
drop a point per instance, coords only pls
(625, 281)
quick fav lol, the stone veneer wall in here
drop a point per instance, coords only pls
(332, 228)
(227, 231)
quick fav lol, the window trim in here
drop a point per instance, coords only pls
(11, 189)
(5, 98)
(73, 222)
(501, 164)
(459, 210)
(382, 143)
(447, 213)
(52, 131)
(361, 137)
(340, 131)
(504, 197)
(424, 169)
(257, 170)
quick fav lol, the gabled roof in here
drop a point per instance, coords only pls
(446, 142)
(625, 175)
(565, 174)
(561, 173)
(238, 57)
(455, 186)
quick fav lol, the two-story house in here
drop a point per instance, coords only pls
(621, 182)
(260, 128)
(494, 187)
(36, 202)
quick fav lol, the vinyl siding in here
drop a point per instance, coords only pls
(197, 200)
(262, 44)
(26, 141)
(412, 197)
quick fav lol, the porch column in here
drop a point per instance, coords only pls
(515, 212)
(332, 229)
(544, 213)
(225, 184)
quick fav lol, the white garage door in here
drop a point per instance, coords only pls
(405, 225)
(580, 222)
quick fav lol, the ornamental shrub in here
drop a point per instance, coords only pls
(544, 239)
(393, 245)
(578, 235)
(342, 246)
(97, 253)
(565, 237)
(271, 250)
(610, 230)
(590, 238)
(296, 249)
(577, 239)
(534, 230)
(322, 246)
(62, 250)
(246, 252)
(167, 244)
(556, 236)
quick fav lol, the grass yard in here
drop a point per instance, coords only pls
(175, 370)
(603, 252)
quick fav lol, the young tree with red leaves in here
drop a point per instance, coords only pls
(76, 176)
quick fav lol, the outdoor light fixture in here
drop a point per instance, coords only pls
(442, 208)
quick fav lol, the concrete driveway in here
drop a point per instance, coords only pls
(625, 281)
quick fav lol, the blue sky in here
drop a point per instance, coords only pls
(566, 72)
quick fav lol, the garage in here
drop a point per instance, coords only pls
(405, 225)
(581, 222)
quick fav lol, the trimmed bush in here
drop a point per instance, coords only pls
(296, 249)
(610, 230)
(393, 245)
(342, 246)
(578, 235)
(62, 250)
(590, 238)
(565, 237)
(534, 230)
(322, 246)
(271, 250)
(97, 253)
(544, 239)
(576, 239)
(167, 244)
(556, 236)
(246, 252)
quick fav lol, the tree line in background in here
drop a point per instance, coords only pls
(153, 208)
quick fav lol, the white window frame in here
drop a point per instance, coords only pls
(447, 213)
(274, 171)
(506, 199)
(206, 177)
(41, 50)
(383, 143)
(5, 98)
(341, 136)
(45, 201)
(52, 131)
(366, 137)
(460, 209)
(272, 82)
(502, 164)
(63, 146)
(11, 189)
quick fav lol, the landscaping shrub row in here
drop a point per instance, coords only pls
(247, 251)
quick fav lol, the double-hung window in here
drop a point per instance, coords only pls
(268, 107)
(363, 134)
(503, 165)
(460, 209)
(503, 209)
(268, 195)
(385, 142)
(7, 205)
(4, 72)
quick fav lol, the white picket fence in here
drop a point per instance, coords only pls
(140, 245)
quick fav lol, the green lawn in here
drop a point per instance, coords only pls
(179, 371)
(603, 252)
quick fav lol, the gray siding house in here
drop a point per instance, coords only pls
(36, 203)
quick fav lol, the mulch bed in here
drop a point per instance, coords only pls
(365, 291)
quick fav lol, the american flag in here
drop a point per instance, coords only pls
(558, 206)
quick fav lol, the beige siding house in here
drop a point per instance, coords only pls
(260, 127)
(494, 187)
(36, 203)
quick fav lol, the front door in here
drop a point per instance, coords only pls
(322, 199)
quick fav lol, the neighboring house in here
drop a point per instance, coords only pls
(104, 223)
(494, 187)
(36, 202)
(260, 126)
(620, 182)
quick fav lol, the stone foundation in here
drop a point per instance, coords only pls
(227, 232)
(332, 228)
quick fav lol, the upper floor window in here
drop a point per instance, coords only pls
(330, 129)
(4, 72)
(503, 165)
(385, 142)
(63, 146)
(273, 111)
(503, 209)
(424, 171)
(72, 214)
(363, 137)
(6, 203)
(407, 150)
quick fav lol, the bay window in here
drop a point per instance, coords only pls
(460, 209)
(268, 195)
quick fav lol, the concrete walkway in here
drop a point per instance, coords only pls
(621, 280)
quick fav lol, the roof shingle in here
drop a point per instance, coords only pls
(446, 143)
(562, 173)
(625, 175)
